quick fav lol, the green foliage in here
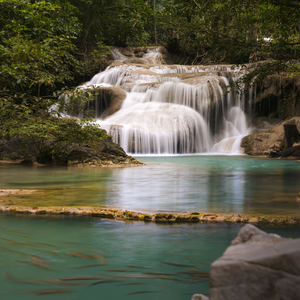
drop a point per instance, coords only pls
(54, 138)
(45, 44)
(115, 22)
(36, 47)
(231, 31)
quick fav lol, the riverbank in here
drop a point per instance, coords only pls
(162, 217)
(105, 153)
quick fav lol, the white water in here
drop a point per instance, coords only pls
(168, 114)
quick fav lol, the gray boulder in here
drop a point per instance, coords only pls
(257, 266)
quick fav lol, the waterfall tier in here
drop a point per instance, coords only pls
(172, 109)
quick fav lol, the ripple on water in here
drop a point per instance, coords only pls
(170, 261)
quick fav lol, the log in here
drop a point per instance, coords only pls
(291, 152)
(292, 135)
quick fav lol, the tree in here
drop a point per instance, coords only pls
(232, 31)
(36, 52)
(54, 138)
(114, 22)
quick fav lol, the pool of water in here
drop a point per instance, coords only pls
(130, 260)
(219, 184)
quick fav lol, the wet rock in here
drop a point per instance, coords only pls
(139, 54)
(257, 265)
(199, 297)
(108, 100)
(135, 60)
(126, 51)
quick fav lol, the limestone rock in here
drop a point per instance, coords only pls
(199, 297)
(257, 266)
(140, 54)
(113, 98)
(106, 153)
(135, 60)
(108, 101)
(265, 141)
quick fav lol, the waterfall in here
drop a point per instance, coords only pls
(173, 109)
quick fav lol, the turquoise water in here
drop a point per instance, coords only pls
(134, 260)
(219, 184)
(124, 245)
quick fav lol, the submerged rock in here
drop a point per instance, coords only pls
(257, 265)
(199, 297)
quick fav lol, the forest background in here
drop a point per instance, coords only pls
(46, 47)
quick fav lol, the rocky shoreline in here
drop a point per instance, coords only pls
(257, 265)
(268, 139)
(106, 154)
(162, 217)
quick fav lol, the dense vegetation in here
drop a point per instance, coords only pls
(46, 46)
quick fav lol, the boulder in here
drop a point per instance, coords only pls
(139, 54)
(108, 101)
(105, 153)
(17, 148)
(112, 99)
(265, 141)
(257, 265)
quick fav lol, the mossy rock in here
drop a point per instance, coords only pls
(146, 217)
(161, 216)
(130, 215)
(182, 218)
(42, 212)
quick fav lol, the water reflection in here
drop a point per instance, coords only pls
(220, 184)
(209, 184)
(57, 186)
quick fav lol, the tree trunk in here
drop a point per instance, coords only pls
(292, 135)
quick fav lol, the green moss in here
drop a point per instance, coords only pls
(182, 218)
(161, 216)
(128, 214)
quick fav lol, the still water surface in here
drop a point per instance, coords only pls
(134, 252)
(126, 255)
(219, 184)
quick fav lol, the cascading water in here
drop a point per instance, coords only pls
(171, 109)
